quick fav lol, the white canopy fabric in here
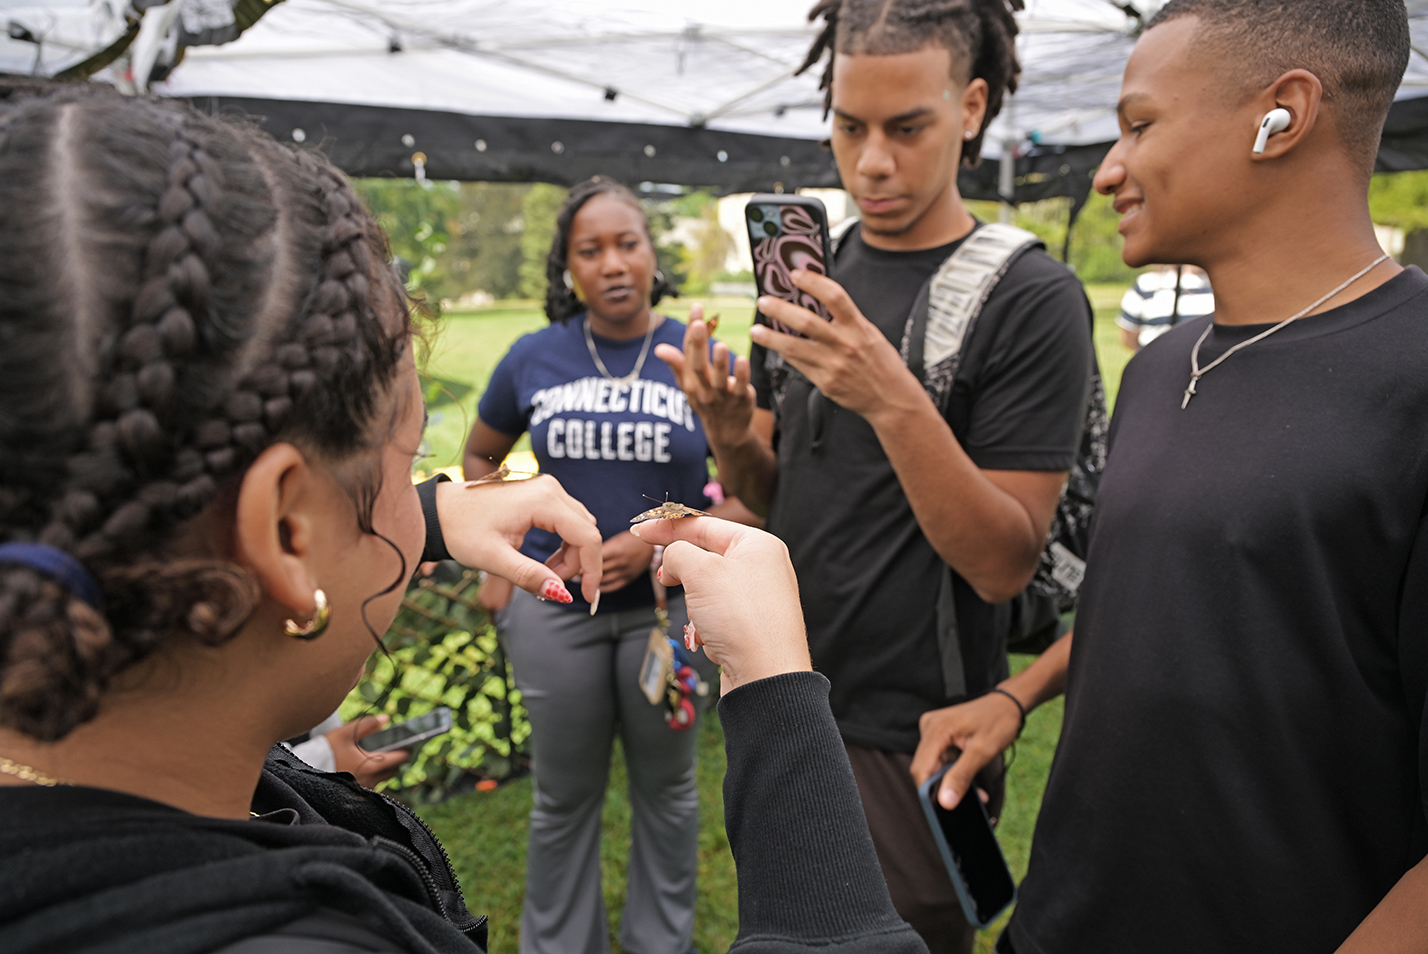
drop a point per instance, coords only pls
(659, 91)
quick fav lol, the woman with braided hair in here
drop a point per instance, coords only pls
(610, 423)
(208, 414)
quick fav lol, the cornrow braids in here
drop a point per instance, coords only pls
(176, 293)
(561, 303)
(980, 34)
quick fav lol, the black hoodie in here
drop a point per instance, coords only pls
(330, 866)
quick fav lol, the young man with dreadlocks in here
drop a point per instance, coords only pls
(1242, 766)
(876, 489)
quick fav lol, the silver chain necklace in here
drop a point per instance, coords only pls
(1197, 372)
(640, 363)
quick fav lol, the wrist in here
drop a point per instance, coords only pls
(1015, 700)
(899, 403)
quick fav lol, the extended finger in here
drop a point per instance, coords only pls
(834, 297)
(798, 318)
(793, 348)
(534, 577)
(739, 384)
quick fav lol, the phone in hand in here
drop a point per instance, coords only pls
(970, 851)
(410, 733)
(787, 232)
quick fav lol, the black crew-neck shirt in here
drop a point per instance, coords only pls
(867, 575)
(1241, 763)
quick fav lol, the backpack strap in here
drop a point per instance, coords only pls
(937, 328)
(950, 303)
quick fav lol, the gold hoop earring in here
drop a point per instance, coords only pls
(314, 627)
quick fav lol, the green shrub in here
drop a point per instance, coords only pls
(442, 650)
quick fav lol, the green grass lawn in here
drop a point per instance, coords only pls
(485, 832)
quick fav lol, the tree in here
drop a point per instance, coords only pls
(1400, 200)
(418, 219)
(538, 211)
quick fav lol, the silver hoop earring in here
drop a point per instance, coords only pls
(659, 277)
(569, 282)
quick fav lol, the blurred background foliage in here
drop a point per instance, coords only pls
(442, 650)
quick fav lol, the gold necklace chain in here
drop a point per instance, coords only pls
(29, 774)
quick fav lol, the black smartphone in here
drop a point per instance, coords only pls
(970, 851)
(410, 733)
(787, 232)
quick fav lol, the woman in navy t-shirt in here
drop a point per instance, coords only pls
(607, 419)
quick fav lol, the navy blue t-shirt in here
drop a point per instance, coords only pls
(617, 448)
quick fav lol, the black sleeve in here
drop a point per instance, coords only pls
(325, 931)
(435, 543)
(1413, 653)
(808, 875)
(1027, 371)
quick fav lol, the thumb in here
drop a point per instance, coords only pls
(683, 562)
(957, 782)
(366, 725)
(671, 356)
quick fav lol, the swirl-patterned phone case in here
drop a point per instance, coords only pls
(787, 232)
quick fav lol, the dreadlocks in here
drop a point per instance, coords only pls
(980, 34)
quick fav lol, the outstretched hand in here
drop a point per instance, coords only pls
(484, 525)
(972, 733)
(717, 388)
(740, 592)
(849, 359)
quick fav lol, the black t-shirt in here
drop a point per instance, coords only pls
(1241, 761)
(867, 575)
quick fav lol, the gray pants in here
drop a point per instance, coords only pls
(578, 678)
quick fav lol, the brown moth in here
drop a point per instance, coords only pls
(713, 324)
(500, 474)
(669, 511)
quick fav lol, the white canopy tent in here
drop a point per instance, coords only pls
(649, 91)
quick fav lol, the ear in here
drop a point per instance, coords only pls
(974, 105)
(1298, 91)
(276, 525)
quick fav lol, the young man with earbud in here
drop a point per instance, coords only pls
(1243, 760)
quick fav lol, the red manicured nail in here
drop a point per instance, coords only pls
(659, 574)
(555, 590)
(689, 635)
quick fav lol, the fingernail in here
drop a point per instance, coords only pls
(555, 590)
(659, 574)
(689, 636)
(636, 530)
(595, 603)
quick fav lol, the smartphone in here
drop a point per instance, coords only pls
(787, 232)
(409, 733)
(970, 851)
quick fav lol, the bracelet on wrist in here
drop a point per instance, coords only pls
(1021, 709)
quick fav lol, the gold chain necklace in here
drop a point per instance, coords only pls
(29, 774)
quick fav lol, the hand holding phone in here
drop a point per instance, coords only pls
(970, 850)
(788, 232)
(411, 733)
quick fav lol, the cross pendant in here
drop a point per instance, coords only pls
(1189, 393)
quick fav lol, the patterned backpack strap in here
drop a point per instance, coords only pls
(948, 306)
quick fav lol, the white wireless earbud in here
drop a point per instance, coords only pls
(1276, 120)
